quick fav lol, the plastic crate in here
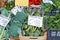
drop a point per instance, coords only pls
(54, 12)
(53, 34)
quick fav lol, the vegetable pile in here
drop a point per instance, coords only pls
(57, 3)
(14, 26)
(18, 24)
(9, 5)
(29, 30)
(32, 30)
(54, 22)
(46, 7)
(3, 32)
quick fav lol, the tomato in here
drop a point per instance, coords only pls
(35, 2)
(31, 2)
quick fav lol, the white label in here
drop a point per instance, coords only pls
(47, 1)
(35, 21)
(14, 10)
(20, 9)
(4, 20)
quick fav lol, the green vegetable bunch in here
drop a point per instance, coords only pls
(29, 30)
(54, 22)
(57, 3)
(18, 24)
(3, 33)
(15, 24)
(33, 11)
(46, 7)
(9, 5)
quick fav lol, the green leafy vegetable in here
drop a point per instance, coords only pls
(46, 7)
(9, 5)
(57, 3)
(29, 30)
(3, 33)
(54, 22)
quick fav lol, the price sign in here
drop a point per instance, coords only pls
(35, 21)
(14, 10)
(4, 20)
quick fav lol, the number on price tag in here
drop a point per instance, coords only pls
(4, 20)
(35, 21)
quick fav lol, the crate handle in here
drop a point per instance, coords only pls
(33, 38)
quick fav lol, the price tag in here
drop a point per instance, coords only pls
(20, 9)
(35, 21)
(47, 1)
(14, 10)
(4, 20)
(21, 2)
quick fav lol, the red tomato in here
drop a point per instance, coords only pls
(31, 2)
(35, 2)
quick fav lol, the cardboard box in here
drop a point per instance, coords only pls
(12, 38)
(33, 38)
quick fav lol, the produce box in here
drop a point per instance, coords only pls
(30, 32)
(12, 38)
(33, 38)
(53, 25)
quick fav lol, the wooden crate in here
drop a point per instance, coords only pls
(33, 38)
